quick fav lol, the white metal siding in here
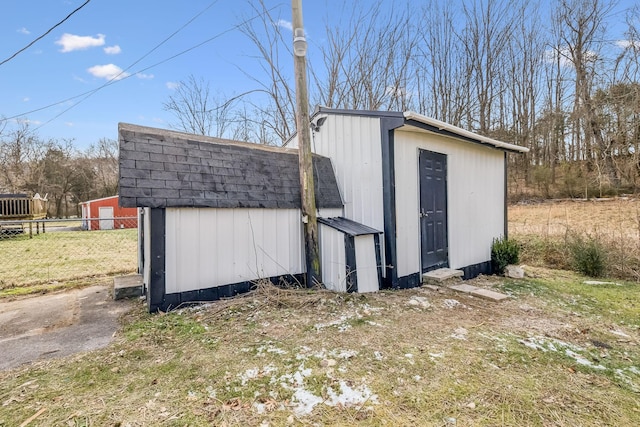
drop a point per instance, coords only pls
(213, 247)
(333, 261)
(475, 198)
(354, 147)
(367, 269)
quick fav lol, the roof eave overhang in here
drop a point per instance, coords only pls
(437, 126)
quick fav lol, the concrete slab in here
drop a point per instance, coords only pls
(467, 289)
(130, 286)
(441, 274)
(57, 325)
(433, 287)
(490, 295)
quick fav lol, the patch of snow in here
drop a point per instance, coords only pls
(619, 333)
(622, 376)
(436, 355)
(377, 355)
(452, 303)
(554, 345)
(343, 354)
(408, 356)
(598, 282)
(349, 396)
(211, 392)
(253, 373)
(304, 401)
(344, 327)
(581, 360)
(459, 334)
(420, 302)
(417, 377)
(269, 348)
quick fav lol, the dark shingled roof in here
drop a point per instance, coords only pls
(161, 168)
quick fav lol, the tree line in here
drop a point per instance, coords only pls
(550, 76)
(55, 168)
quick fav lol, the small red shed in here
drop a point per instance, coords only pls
(106, 214)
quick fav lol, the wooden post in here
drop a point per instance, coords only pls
(307, 189)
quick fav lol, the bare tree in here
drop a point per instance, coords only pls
(367, 60)
(582, 24)
(442, 83)
(275, 80)
(198, 111)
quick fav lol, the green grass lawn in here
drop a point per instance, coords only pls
(558, 352)
(62, 256)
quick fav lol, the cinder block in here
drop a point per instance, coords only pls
(440, 275)
(127, 286)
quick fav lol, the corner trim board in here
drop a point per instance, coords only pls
(506, 196)
(157, 279)
(387, 126)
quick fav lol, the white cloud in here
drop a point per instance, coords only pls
(172, 85)
(28, 122)
(23, 30)
(69, 124)
(144, 76)
(71, 42)
(112, 50)
(624, 44)
(26, 99)
(285, 24)
(108, 72)
(564, 56)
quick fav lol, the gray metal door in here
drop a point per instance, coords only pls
(433, 210)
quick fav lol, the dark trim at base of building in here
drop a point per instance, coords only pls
(470, 271)
(475, 270)
(174, 300)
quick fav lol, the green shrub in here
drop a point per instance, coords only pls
(503, 253)
(588, 255)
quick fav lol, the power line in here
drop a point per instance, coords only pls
(115, 79)
(122, 74)
(42, 36)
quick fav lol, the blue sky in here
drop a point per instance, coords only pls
(107, 36)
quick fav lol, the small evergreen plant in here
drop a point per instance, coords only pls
(503, 253)
(588, 256)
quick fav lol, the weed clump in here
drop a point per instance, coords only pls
(503, 253)
(588, 255)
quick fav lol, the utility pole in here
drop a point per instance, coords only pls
(305, 166)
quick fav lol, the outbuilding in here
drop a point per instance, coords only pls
(217, 215)
(398, 195)
(106, 214)
(438, 192)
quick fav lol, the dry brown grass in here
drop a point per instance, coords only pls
(545, 229)
(618, 218)
(238, 362)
